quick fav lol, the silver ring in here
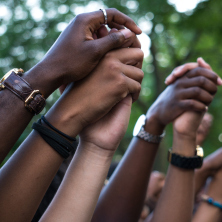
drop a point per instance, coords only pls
(105, 15)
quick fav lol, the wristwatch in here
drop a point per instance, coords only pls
(140, 132)
(12, 80)
(187, 162)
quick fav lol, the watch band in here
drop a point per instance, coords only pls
(183, 161)
(34, 100)
(149, 137)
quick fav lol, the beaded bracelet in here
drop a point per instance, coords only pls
(211, 201)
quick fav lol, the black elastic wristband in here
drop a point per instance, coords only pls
(186, 162)
(58, 131)
(57, 142)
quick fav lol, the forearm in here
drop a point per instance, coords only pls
(123, 198)
(206, 213)
(209, 208)
(176, 201)
(25, 178)
(14, 116)
(80, 189)
(28, 173)
(200, 178)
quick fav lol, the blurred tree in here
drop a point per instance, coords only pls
(29, 27)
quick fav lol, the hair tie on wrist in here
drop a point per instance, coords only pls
(58, 131)
(55, 140)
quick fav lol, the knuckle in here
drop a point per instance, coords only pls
(121, 81)
(198, 70)
(179, 83)
(197, 91)
(115, 38)
(114, 66)
(108, 56)
(140, 74)
(214, 90)
(202, 80)
(80, 17)
(209, 99)
(214, 76)
(139, 54)
(190, 104)
(138, 87)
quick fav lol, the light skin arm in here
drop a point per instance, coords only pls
(57, 67)
(35, 163)
(80, 189)
(123, 197)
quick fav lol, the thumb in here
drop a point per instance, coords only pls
(113, 40)
(203, 64)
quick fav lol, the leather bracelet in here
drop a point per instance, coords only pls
(34, 100)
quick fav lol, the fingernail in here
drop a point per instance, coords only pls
(219, 81)
(126, 32)
(206, 108)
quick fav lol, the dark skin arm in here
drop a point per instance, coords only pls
(122, 199)
(176, 200)
(57, 67)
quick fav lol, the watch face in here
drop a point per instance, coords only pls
(140, 122)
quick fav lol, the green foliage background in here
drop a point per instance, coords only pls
(176, 38)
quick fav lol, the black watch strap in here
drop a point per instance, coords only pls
(184, 162)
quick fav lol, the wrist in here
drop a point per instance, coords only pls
(42, 77)
(153, 125)
(95, 152)
(63, 120)
(183, 145)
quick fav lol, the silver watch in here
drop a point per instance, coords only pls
(140, 132)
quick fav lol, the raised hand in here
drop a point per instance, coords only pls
(89, 99)
(109, 130)
(102, 32)
(181, 181)
(181, 70)
(76, 53)
(194, 91)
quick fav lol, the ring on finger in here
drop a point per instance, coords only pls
(105, 15)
